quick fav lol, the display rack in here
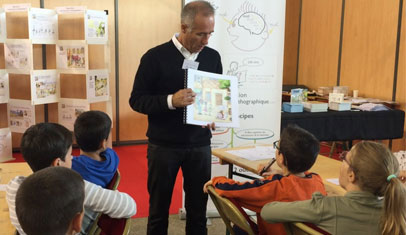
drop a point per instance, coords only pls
(54, 66)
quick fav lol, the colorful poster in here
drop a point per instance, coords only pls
(71, 56)
(216, 99)
(6, 149)
(69, 110)
(98, 88)
(96, 27)
(44, 87)
(43, 26)
(4, 87)
(18, 55)
(21, 115)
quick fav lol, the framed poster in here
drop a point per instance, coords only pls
(96, 27)
(44, 87)
(98, 89)
(43, 26)
(4, 87)
(72, 56)
(69, 110)
(3, 31)
(18, 55)
(21, 115)
(6, 148)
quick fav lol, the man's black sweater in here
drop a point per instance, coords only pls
(160, 74)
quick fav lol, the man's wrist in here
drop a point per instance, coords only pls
(169, 100)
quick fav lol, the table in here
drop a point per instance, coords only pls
(7, 172)
(349, 125)
(326, 167)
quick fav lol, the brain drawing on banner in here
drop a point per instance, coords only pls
(248, 25)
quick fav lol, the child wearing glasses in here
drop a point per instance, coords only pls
(296, 153)
(368, 173)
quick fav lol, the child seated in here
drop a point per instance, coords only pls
(97, 163)
(296, 153)
(50, 144)
(50, 201)
(368, 172)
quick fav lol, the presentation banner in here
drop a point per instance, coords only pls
(249, 35)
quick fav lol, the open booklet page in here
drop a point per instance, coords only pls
(216, 99)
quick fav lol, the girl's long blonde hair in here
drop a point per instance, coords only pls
(372, 163)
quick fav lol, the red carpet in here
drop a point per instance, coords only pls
(133, 169)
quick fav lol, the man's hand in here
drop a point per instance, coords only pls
(211, 126)
(206, 185)
(183, 98)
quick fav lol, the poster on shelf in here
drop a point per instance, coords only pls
(44, 87)
(72, 56)
(69, 110)
(3, 31)
(21, 115)
(97, 83)
(43, 26)
(18, 55)
(4, 87)
(96, 27)
(6, 148)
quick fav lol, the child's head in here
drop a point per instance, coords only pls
(91, 129)
(373, 168)
(50, 201)
(371, 164)
(299, 149)
(47, 144)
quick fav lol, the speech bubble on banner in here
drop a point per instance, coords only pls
(254, 134)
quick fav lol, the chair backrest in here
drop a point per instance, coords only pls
(104, 224)
(298, 228)
(229, 213)
(115, 181)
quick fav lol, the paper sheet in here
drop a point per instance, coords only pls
(334, 181)
(254, 154)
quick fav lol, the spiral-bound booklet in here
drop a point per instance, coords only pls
(216, 99)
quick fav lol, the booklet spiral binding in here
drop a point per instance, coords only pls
(185, 108)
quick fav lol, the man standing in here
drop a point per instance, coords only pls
(159, 92)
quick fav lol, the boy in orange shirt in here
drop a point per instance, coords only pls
(296, 153)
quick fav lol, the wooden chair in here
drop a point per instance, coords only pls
(104, 224)
(230, 213)
(298, 228)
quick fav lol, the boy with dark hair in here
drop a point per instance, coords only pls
(50, 201)
(50, 144)
(296, 153)
(97, 162)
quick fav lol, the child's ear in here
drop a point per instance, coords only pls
(280, 158)
(55, 162)
(77, 222)
(351, 176)
(103, 144)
